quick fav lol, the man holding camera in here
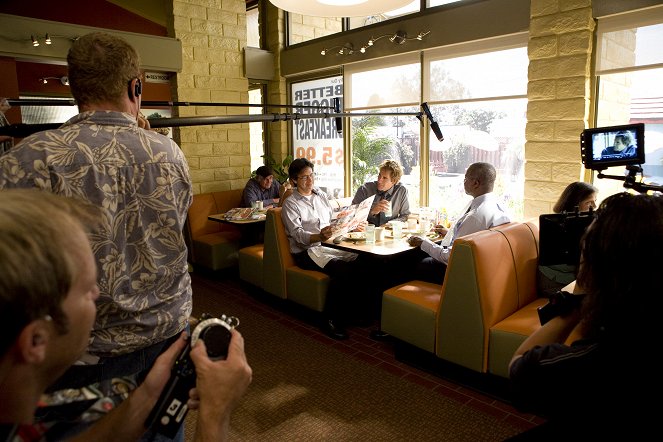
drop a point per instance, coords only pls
(48, 292)
(140, 181)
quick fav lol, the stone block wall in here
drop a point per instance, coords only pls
(560, 79)
(305, 28)
(213, 35)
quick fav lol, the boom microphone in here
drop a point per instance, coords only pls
(337, 110)
(433, 124)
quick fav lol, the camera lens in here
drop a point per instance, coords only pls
(217, 339)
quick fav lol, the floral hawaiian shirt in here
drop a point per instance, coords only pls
(140, 179)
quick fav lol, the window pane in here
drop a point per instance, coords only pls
(47, 114)
(638, 46)
(397, 85)
(432, 3)
(375, 138)
(252, 28)
(493, 74)
(257, 145)
(358, 22)
(317, 138)
(489, 131)
(633, 97)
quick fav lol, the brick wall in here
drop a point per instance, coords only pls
(277, 133)
(213, 36)
(560, 49)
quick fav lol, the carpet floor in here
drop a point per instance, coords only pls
(303, 390)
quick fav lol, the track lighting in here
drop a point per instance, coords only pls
(346, 49)
(64, 80)
(48, 39)
(399, 38)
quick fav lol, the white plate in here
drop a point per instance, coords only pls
(356, 236)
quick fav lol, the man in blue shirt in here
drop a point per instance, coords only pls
(263, 187)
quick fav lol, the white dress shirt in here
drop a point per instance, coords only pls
(304, 216)
(482, 213)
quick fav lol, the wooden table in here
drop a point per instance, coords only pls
(253, 230)
(221, 218)
(387, 246)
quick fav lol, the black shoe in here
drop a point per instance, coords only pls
(334, 330)
(379, 335)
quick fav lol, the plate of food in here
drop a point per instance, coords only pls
(355, 236)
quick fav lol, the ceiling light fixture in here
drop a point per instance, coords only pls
(346, 49)
(339, 8)
(48, 39)
(64, 80)
(399, 38)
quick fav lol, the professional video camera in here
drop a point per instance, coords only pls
(170, 410)
(597, 151)
(560, 303)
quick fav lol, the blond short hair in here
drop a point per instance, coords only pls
(393, 167)
(38, 260)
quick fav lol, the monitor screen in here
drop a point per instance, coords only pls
(604, 147)
(560, 235)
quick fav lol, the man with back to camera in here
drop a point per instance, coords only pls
(47, 308)
(140, 180)
(263, 187)
(621, 147)
(483, 212)
(389, 194)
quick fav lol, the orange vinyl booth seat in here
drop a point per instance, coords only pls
(212, 244)
(281, 276)
(251, 261)
(485, 308)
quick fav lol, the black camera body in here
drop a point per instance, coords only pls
(560, 303)
(168, 414)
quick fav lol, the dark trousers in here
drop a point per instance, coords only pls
(431, 270)
(349, 295)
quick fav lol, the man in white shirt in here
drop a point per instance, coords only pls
(483, 212)
(306, 218)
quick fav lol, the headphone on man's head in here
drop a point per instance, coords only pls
(138, 88)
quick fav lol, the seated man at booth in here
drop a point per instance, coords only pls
(48, 292)
(482, 213)
(622, 146)
(263, 187)
(391, 200)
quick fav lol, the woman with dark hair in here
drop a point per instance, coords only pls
(577, 194)
(598, 384)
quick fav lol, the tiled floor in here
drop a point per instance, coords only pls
(448, 381)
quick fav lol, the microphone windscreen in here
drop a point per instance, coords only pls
(436, 129)
(339, 124)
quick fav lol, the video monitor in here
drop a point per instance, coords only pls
(560, 235)
(604, 147)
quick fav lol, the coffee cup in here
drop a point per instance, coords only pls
(379, 233)
(259, 205)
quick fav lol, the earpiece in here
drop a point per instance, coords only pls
(137, 90)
